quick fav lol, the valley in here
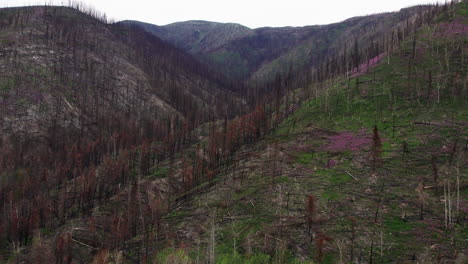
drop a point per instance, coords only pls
(204, 142)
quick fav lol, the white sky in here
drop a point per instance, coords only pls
(251, 13)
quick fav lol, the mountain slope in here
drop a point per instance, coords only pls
(197, 36)
(259, 54)
(79, 100)
(359, 32)
(361, 165)
(329, 188)
(234, 49)
(58, 57)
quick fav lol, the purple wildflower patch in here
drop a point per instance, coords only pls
(331, 163)
(453, 28)
(351, 141)
(365, 67)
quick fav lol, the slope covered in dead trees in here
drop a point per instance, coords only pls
(258, 54)
(79, 99)
(359, 159)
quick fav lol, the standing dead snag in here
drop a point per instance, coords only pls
(40, 252)
(132, 208)
(63, 253)
(102, 257)
(376, 150)
(422, 198)
(340, 244)
(275, 163)
(187, 176)
(311, 211)
(435, 172)
(353, 221)
(453, 151)
(319, 245)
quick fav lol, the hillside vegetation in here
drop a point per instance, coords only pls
(77, 93)
(118, 147)
(371, 170)
(258, 54)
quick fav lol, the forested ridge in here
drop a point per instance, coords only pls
(258, 54)
(118, 147)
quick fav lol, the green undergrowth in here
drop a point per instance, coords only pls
(391, 97)
(417, 117)
(160, 172)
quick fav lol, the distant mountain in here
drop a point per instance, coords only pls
(235, 50)
(258, 54)
(198, 36)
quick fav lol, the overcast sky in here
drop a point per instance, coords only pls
(251, 13)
